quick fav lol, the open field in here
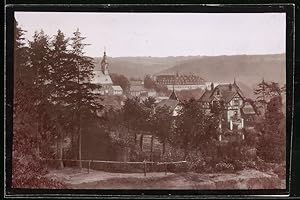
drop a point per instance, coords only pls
(246, 179)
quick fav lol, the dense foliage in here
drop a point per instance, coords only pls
(52, 95)
(121, 80)
(150, 83)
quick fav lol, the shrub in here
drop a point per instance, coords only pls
(178, 168)
(28, 172)
(224, 167)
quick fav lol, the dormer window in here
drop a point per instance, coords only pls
(217, 92)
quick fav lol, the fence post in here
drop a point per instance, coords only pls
(145, 168)
(89, 166)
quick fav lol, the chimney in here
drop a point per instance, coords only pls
(212, 86)
(230, 86)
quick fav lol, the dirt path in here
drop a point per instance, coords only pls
(247, 179)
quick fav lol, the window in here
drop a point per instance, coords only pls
(235, 127)
(235, 102)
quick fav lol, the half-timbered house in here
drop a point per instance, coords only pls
(230, 100)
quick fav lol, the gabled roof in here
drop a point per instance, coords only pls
(206, 96)
(227, 92)
(173, 96)
(100, 78)
(170, 103)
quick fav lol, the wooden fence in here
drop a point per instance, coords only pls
(144, 163)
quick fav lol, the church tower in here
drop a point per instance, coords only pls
(104, 64)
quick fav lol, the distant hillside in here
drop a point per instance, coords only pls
(248, 69)
(138, 67)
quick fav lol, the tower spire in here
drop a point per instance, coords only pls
(173, 96)
(104, 63)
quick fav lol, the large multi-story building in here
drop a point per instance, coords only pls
(181, 82)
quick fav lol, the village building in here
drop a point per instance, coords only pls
(236, 111)
(172, 103)
(137, 89)
(117, 90)
(181, 82)
(103, 79)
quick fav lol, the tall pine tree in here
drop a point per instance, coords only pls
(60, 75)
(85, 101)
(39, 65)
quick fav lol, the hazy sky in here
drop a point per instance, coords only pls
(165, 34)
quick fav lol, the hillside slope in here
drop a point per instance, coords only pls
(138, 67)
(248, 69)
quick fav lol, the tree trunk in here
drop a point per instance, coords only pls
(73, 141)
(186, 153)
(151, 147)
(79, 143)
(163, 146)
(61, 149)
(141, 142)
(60, 146)
(41, 133)
(151, 152)
(37, 138)
(72, 146)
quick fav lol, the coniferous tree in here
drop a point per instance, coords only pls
(274, 89)
(86, 103)
(162, 121)
(265, 91)
(271, 146)
(132, 114)
(262, 92)
(60, 75)
(193, 129)
(27, 169)
(39, 65)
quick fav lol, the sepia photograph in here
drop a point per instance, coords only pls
(140, 100)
